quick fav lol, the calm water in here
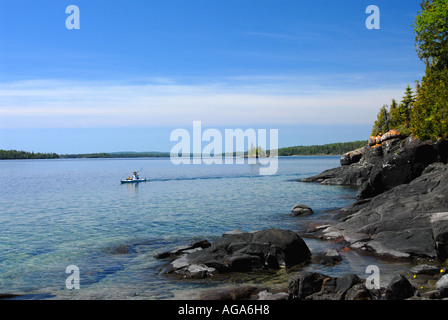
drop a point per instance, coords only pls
(56, 213)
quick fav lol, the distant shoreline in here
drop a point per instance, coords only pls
(332, 149)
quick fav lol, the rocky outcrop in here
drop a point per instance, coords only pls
(352, 156)
(305, 285)
(240, 251)
(409, 220)
(403, 198)
(390, 162)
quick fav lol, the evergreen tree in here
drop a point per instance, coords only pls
(429, 114)
(383, 122)
(394, 114)
(429, 117)
(431, 29)
(405, 107)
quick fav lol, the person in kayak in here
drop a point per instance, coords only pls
(135, 176)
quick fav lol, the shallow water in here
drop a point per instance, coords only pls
(56, 213)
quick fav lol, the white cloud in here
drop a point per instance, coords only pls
(240, 101)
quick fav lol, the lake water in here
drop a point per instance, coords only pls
(56, 213)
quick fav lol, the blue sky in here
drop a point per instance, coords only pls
(136, 70)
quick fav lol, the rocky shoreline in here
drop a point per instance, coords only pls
(402, 207)
(274, 249)
(401, 211)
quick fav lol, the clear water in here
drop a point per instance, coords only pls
(56, 213)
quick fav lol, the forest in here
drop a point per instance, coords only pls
(322, 150)
(14, 154)
(423, 112)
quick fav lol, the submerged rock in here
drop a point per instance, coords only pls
(183, 249)
(301, 210)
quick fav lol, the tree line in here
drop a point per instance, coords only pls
(14, 154)
(319, 150)
(423, 113)
(314, 150)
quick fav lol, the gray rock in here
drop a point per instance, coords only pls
(425, 269)
(271, 248)
(360, 292)
(265, 295)
(236, 293)
(301, 210)
(316, 286)
(442, 286)
(353, 156)
(198, 271)
(337, 288)
(433, 294)
(183, 249)
(303, 284)
(399, 288)
(328, 257)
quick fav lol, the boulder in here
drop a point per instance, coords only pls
(306, 285)
(303, 284)
(360, 292)
(392, 134)
(301, 210)
(236, 252)
(336, 288)
(353, 156)
(237, 293)
(265, 295)
(399, 288)
(425, 269)
(442, 286)
(328, 257)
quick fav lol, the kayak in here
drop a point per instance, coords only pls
(133, 181)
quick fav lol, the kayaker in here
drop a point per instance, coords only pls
(135, 176)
